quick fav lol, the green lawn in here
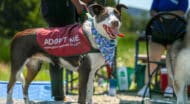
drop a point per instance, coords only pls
(126, 50)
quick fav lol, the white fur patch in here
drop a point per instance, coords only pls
(67, 65)
(87, 29)
(107, 21)
(42, 57)
(97, 61)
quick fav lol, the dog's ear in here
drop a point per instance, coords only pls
(97, 9)
(120, 6)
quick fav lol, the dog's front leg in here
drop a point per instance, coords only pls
(84, 72)
(9, 97)
(96, 61)
(89, 91)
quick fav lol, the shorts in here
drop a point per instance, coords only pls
(166, 31)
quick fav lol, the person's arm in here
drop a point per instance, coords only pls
(182, 8)
(153, 13)
(154, 7)
(80, 5)
(178, 12)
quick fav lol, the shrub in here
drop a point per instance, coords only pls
(4, 49)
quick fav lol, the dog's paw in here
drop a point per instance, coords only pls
(9, 102)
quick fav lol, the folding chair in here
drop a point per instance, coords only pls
(164, 29)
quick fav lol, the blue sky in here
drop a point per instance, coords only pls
(142, 4)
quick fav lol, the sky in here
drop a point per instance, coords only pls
(141, 4)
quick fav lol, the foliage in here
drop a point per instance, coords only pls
(4, 50)
(126, 22)
(16, 15)
(110, 2)
(106, 2)
(138, 23)
(126, 49)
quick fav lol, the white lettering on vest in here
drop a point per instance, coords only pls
(56, 41)
(74, 39)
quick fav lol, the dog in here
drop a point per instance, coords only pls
(25, 50)
(178, 65)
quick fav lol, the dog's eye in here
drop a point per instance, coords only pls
(105, 13)
(117, 14)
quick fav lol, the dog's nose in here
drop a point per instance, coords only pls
(115, 23)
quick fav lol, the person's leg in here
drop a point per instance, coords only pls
(156, 51)
(56, 76)
(168, 92)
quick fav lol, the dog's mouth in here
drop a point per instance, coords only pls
(111, 31)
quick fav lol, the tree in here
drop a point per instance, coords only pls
(16, 15)
(106, 2)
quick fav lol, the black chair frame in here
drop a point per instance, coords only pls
(178, 33)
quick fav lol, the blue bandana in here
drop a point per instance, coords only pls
(107, 47)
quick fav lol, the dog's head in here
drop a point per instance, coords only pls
(107, 20)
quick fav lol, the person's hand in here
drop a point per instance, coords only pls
(179, 13)
(87, 1)
(153, 13)
(80, 6)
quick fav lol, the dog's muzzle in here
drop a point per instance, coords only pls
(112, 31)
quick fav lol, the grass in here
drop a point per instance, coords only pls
(126, 50)
(125, 57)
(4, 71)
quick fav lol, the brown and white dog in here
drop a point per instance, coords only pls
(26, 51)
(178, 65)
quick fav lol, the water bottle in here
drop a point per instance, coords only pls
(163, 79)
(112, 87)
(122, 78)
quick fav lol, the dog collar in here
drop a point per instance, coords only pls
(107, 47)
